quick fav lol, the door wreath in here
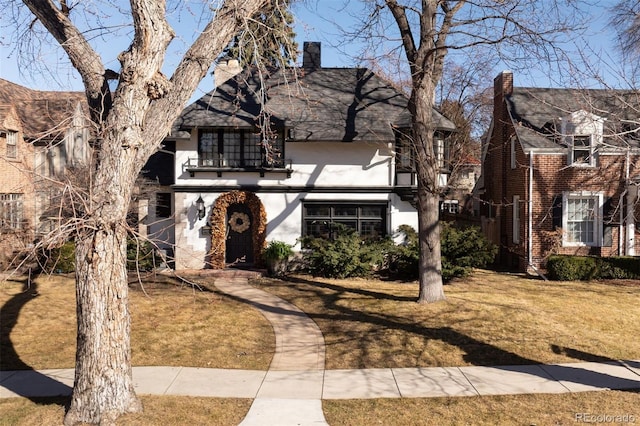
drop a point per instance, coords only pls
(239, 222)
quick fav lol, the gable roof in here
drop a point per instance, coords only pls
(323, 104)
(44, 114)
(536, 113)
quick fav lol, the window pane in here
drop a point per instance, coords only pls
(12, 144)
(317, 228)
(208, 148)
(345, 210)
(371, 229)
(252, 150)
(371, 211)
(163, 205)
(274, 152)
(318, 210)
(11, 211)
(231, 149)
(352, 224)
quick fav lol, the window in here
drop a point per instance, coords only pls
(11, 214)
(582, 151)
(238, 149)
(404, 152)
(516, 219)
(441, 151)
(12, 144)
(163, 205)
(582, 219)
(368, 219)
(449, 206)
(513, 152)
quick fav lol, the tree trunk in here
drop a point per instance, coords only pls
(427, 170)
(430, 266)
(103, 387)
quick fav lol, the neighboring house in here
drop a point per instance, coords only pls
(285, 155)
(42, 134)
(458, 198)
(560, 173)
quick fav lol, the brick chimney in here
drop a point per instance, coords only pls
(311, 55)
(502, 87)
(225, 69)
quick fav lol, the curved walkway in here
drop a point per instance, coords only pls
(290, 392)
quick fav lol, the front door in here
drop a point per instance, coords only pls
(239, 247)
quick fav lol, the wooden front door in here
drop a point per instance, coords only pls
(239, 247)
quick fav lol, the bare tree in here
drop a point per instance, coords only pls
(428, 30)
(129, 123)
(626, 21)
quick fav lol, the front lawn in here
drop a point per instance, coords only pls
(488, 319)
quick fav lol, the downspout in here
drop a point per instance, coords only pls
(631, 193)
(530, 221)
(622, 241)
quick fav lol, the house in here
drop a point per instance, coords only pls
(560, 173)
(458, 199)
(280, 155)
(42, 134)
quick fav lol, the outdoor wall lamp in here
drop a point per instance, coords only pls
(200, 207)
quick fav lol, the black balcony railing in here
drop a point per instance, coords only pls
(220, 164)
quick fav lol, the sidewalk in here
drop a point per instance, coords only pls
(347, 384)
(291, 391)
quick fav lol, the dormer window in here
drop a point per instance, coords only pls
(12, 144)
(582, 134)
(582, 151)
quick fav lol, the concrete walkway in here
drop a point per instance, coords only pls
(290, 392)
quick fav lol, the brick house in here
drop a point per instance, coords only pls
(42, 134)
(560, 173)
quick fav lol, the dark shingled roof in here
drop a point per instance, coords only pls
(536, 114)
(44, 114)
(325, 104)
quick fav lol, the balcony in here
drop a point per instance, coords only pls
(219, 165)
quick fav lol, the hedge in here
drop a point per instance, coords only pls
(585, 268)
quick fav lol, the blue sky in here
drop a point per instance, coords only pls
(317, 20)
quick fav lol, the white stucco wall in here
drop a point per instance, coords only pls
(322, 164)
(363, 172)
(284, 219)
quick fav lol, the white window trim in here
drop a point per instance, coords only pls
(450, 206)
(516, 219)
(12, 144)
(598, 222)
(592, 151)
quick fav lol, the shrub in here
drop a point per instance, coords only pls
(585, 268)
(60, 259)
(347, 255)
(276, 256)
(277, 250)
(462, 249)
(403, 258)
(140, 256)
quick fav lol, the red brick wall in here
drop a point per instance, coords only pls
(552, 177)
